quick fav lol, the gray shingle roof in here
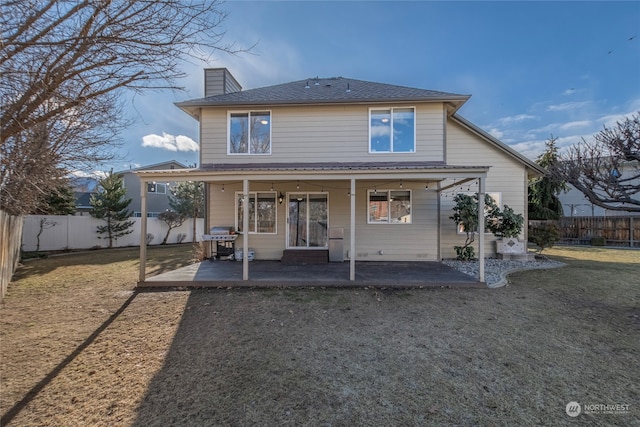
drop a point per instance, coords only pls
(324, 91)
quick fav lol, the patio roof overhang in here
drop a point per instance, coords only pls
(352, 172)
(328, 171)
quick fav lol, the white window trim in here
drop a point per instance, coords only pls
(388, 191)
(156, 184)
(255, 225)
(391, 136)
(459, 229)
(229, 113)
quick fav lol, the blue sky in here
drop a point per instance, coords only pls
(533, 69)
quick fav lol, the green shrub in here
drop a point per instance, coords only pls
(544, 235)
(465, 253)
(598, 241)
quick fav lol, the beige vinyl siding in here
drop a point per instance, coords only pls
(399, 242)
(506, 176)
(213, 136)
(322, 134)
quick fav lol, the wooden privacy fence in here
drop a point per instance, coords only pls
(10, 241)
(621, 231)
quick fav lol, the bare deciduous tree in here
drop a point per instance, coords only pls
(173, 220)
(64, 66)
(607, 169)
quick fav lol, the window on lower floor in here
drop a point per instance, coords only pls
(262, 212)
(389, 206)
(149, 214)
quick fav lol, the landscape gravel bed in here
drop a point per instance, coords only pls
(496, 270)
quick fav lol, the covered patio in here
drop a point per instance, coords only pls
(350, 179)
(401, 275)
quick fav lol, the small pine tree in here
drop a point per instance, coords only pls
(109, 204)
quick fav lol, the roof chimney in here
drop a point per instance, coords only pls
(218, 81)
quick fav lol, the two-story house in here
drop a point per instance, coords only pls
(158, 191)
(293, 167)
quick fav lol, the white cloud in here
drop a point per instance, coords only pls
(610, 120)
(516, 119)
(184, 143)
(496, 133)
(576, 124)
(86, 174)
(568, 106)
(531, 149)
(170, 142)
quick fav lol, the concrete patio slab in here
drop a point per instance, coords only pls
(275, 274)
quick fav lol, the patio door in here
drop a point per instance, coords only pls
(307, 220)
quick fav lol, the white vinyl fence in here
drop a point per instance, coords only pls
(60, 232)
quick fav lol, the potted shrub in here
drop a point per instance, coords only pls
(507, 227)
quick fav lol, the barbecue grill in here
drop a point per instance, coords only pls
(224, 239)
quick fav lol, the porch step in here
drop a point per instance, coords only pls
(304, 257)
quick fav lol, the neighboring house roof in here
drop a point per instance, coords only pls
(333, 90)
(83, 199)
(155, 166)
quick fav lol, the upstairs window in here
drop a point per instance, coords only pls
(250, 132)
(157, 188)
(392, 130)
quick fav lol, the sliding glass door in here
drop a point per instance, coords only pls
(307, 219)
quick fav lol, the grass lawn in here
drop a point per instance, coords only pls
(80, 347)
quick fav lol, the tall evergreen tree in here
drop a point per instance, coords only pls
(187, 199)
(543, 192)
(109, 204)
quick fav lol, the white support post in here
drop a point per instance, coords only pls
(245, 229)
(143, 231)
(352, 232)
(481, 192)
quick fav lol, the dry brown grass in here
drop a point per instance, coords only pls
(93, 353)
